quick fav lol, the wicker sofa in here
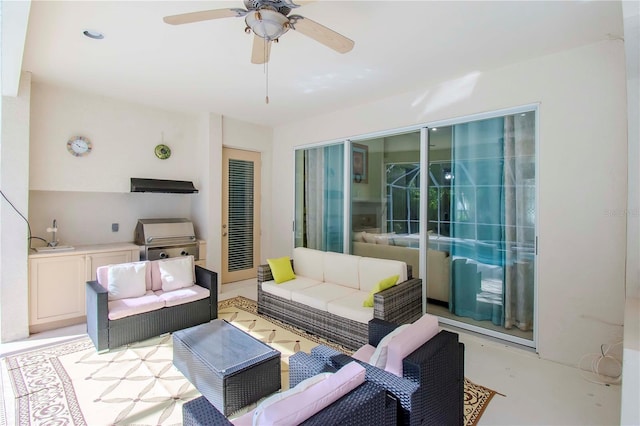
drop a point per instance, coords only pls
(431, 389)
(177, 309)
(325, 298)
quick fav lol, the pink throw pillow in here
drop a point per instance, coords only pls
(364, 353)
(299, 407)
(410, 339)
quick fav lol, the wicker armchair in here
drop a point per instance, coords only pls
(302, 366)
(364, 406)
(431, 391)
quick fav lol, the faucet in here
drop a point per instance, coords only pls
(53, 230)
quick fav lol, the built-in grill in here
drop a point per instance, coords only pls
(164, 238)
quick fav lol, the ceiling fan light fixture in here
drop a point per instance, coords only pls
(267, 23)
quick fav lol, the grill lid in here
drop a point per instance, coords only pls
(164, 231)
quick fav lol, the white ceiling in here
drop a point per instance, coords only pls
(205, 67)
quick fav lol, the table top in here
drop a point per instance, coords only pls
(223, 347)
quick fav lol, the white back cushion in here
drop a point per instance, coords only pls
(176, 273)
(373, 270)
(379, 356)
(308, 263)
(126, 280)
(341, 269)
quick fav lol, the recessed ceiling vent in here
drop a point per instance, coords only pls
(162, 186)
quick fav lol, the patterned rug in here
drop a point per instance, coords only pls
(70, 384)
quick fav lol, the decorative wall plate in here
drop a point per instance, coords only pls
(79, 146)
(163, 151)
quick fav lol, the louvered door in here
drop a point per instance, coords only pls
(240, 215)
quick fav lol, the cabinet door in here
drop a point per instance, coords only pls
(56, 286)
(96, 260)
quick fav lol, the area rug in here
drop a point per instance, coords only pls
(70, 384)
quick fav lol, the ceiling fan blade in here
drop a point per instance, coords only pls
(321, 34)
(297, 3)
(261, 50)
(203, 15)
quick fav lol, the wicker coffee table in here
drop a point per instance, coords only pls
(230, 368)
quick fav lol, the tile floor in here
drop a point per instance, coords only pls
(536, 391)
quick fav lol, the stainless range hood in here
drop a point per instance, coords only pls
(162, 186)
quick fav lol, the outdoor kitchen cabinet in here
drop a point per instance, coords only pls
(57, 282)
(202, 250)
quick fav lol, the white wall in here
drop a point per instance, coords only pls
(87, 194)
(14, 172)
(582, 178)
(206, 207)
(123, 135)
(86, 217)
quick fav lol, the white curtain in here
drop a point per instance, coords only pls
(519, 205)
(314, 198)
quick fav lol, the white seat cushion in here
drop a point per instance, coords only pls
(182, 295)
(319, 295)
(284, 289)
(350, 306)
(342, 269)
(308, 263)
(373, 270)
(136, 305)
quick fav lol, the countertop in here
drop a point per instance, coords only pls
(86, 249)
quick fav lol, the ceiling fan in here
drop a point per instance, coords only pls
(268, 20)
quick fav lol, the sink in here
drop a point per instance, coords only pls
(52, 249)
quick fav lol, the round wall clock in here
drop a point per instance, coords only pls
(163, 151)
(79, 146)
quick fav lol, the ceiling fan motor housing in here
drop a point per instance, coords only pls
(278, 5)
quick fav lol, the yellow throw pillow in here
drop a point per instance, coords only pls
(281, 269)
(382, 285)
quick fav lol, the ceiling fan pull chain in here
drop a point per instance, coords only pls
(266, 72)
(266, 99)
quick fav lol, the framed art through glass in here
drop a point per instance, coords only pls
(360, 162)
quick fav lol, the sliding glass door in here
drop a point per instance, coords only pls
(461, 213)
(482, 214)
(319, 198)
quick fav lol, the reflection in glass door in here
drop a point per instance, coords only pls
(385, 198)
(481, 217)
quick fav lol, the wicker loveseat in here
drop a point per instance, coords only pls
(158, 311)
(326, 296)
